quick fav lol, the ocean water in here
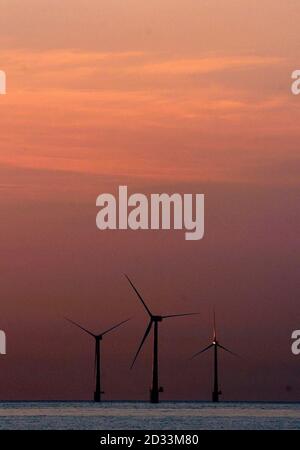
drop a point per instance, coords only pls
(144, 416)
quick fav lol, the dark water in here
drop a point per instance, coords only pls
(139, 415)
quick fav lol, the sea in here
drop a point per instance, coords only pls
(145, 416)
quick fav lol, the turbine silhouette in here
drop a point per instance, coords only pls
(98, 338)
(154, 320)
(216, 392)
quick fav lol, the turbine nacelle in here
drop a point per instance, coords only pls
(215, 345)
(154, 319)
(157, 318)
(98, 337)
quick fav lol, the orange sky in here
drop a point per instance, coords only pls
(118, 81)
(176, 95)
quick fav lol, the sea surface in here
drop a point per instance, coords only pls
(144, 416)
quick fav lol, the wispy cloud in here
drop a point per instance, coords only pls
(137, 113)
(205, 65)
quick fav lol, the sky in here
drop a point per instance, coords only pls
(174, 96)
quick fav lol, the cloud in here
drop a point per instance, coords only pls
(133, 114)
(206, 65)
(73, 69)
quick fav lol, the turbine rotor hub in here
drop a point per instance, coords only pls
(157, 318)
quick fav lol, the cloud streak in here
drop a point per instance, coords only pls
(131, 113)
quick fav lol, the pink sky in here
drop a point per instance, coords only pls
(175, 96)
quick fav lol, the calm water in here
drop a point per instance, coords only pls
(139, 415)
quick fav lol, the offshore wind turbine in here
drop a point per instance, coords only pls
(98, 338)
(154, 321)
(215, 344)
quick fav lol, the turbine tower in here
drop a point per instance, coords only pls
(215, 344)
(154, 321)
(98, 338)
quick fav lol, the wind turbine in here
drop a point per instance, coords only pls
(98, 338)
(154, 320)
(215, 344)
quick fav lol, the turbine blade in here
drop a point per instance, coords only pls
(179, 315)
(142, 343)
(79, 326)
(215, 330)
(227, 350)
(139, 295)
(202, 351)
(115, 326)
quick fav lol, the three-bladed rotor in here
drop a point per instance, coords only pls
(214, 342)
(153, 319)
